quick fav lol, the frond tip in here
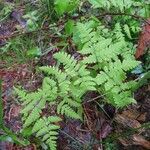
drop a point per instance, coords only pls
(46, 128)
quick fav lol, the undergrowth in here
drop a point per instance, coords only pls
(105, 41)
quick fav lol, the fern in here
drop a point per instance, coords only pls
(113, 58)
(66, 107)
(46, 128)
(76, 70)
(117, 4)
(107, 58)
(61, 86)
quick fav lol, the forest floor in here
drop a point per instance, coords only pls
(116, 129)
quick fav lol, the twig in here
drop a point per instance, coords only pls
(19, 33)
(103, 110)
(93, 99)
(76, 140)
(125, 14)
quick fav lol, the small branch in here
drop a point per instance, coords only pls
(76, 140)
(93, 99)
(125, 14)
(19, 33)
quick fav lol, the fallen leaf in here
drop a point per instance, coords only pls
(139, 140)
(134, 114)
(144, 40)
(127, 122)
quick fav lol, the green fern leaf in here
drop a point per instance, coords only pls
(35, 115)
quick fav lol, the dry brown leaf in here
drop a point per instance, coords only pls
(134, 114)
(139, 140)
(127, 122)
(135, 140)
(144, 40)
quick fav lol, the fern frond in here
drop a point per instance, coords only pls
(70, 64)
(127, 31)
(123, 99)
(61, 76)
(21, 94)
(116, 4)
(129, 64)
(65, 108)
(33, 116)
(46, 128)
(118, 34)
(69, 112)
(49, 89)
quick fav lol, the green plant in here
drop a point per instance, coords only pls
(119, 4)
(21, 49)
(7, 134)
(112, 58)
(107, 58)
(32, 18)
(65, 6)
(65, 88)
(6, 9)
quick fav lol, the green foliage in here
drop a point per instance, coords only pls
(22, 48)
(34, 52)
(32, 18)
(59, 86)
(67, 86)
(7, 134)
(65, 6)
(46, 128)
(107, 59)
(5, 10)
(112, 58)
(117, 4)
(69, 27)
